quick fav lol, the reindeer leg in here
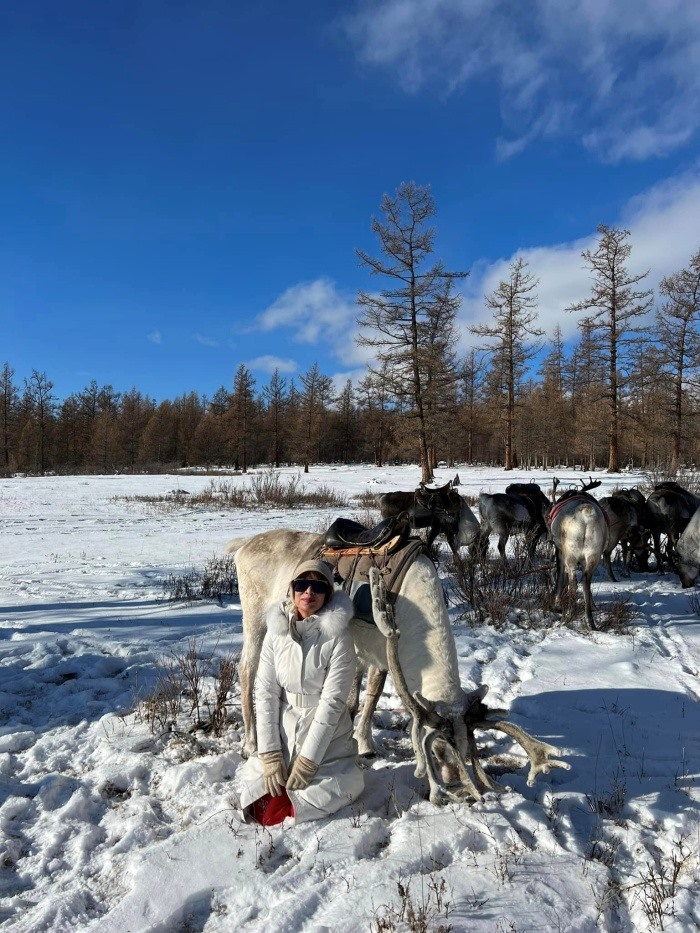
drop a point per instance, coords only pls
(559, 583)
(671, 551)
(481, 545)
(533, 537)
(353, 701)
(657, 552)
(571, 577)
(608, 566)
(433, 532)
(247, 679)
(363, 733)
(247, 669)
(453, 544)
(626, 549)
(588, 597)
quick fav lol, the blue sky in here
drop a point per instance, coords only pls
(183, 184)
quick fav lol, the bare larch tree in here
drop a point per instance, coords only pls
(612, 306)
(471, 374)
(242, 412)
(678, 337)
(373, 396)
(316, 395)
(274, 395)
(513, 339)
(400, 321)
(40, 401)
(9, 398)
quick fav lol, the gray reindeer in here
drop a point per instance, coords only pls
(578, 527)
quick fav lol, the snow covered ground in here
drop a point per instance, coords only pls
(105, 826)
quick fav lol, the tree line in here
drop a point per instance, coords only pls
(625, 393)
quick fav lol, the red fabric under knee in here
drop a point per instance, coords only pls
(269, 810)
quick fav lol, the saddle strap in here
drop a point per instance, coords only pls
(406, 558)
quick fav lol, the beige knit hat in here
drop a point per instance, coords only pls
(316, 566)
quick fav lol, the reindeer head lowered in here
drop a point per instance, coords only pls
(444, 732)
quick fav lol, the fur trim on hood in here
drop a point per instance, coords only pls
(333, 618)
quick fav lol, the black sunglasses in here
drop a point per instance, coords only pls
(317, 586)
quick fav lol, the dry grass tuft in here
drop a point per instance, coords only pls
(216, 581)
(263, 491)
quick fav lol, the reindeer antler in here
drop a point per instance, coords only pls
(384, 617)
(428, 719)
(537, 752)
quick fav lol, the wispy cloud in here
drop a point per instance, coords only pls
(621, 76)
(206, 341)
(155, 337)
(318, 314)
(564, 279)
(269, 363)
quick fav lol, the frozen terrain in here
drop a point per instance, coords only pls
(108, 826)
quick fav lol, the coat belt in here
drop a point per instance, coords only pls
(302, 700)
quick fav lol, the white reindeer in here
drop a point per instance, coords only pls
(423, 663)
(579, 530)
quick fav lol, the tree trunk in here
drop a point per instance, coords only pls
(614, 453)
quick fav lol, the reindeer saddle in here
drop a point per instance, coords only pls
(437, 499)
(347, 535)
(352, 549)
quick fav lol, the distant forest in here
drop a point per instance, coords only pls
(560, 418)
(626, 394)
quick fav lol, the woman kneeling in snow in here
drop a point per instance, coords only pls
(306, 766)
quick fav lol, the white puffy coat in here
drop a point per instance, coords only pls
(304, 677)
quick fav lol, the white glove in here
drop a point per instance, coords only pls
(302, 773)
(274, 772)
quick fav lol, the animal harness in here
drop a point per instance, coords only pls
(352, 566)
(557, 507)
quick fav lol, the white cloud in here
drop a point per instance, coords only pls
(154, 337)
(269, 363)
(664, 233)
(622, 76)
(206, 341)
(317, 314)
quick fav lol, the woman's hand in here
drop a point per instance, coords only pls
(302, 773)
(274, 772)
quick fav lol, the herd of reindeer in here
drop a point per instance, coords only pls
(582, 529)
